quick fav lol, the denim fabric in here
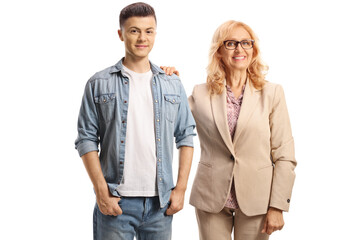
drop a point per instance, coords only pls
(142, 217)
(103, 117)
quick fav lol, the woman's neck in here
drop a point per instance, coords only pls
(236, 79)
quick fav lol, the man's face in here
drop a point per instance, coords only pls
(138, 34)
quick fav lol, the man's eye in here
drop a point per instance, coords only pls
(133, 31)
(149, 32)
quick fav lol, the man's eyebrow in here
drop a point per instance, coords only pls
(149, 28)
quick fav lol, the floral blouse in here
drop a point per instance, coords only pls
(233, 111)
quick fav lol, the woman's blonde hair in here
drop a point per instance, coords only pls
(216, 69)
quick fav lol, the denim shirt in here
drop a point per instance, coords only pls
(103, 120)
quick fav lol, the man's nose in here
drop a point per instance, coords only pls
(142, 37)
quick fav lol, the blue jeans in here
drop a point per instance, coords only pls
(142, 217)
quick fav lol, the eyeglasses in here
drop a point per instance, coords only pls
(233, 44)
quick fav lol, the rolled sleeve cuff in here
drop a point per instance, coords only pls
(187, 141)
(87, 146)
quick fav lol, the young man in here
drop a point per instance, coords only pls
(134, 111)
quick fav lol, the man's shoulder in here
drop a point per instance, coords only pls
(172, 77)
(104, 74)
(157, 70)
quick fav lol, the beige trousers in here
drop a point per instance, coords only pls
(218, 226)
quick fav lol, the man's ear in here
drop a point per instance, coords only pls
(120, 35)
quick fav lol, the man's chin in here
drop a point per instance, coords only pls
(144, 55)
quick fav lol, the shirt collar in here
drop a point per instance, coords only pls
(119, 67)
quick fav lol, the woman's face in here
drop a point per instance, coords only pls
(238, 58)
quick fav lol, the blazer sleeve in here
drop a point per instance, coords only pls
(282, 153)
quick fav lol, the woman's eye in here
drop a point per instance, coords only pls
(230, 44)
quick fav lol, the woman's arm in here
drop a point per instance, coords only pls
(282, 152)
(283, 156)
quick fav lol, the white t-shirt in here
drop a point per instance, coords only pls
(139, 177)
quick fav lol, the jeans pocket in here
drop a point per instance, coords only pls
(166, 208)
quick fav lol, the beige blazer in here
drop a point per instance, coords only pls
(260, 158)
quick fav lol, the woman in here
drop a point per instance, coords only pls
(246, 170)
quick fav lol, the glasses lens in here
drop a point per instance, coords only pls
(246, 44)
(230, 44)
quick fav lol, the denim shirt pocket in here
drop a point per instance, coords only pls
(105, 104)
(172, 102)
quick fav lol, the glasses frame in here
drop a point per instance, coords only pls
(239, 42)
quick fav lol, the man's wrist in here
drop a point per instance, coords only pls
(101, 189)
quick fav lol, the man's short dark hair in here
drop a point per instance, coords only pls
(138, 9)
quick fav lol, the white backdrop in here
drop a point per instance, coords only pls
(49, 49)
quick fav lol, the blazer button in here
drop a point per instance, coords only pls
(288, 200)
(232, 157)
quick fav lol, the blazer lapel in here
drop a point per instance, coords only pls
(219, 111)
(250, 100)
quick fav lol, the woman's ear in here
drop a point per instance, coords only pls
(217, 54)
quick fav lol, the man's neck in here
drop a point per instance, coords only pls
(139, 65)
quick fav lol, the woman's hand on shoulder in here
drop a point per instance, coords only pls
(170, 70)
